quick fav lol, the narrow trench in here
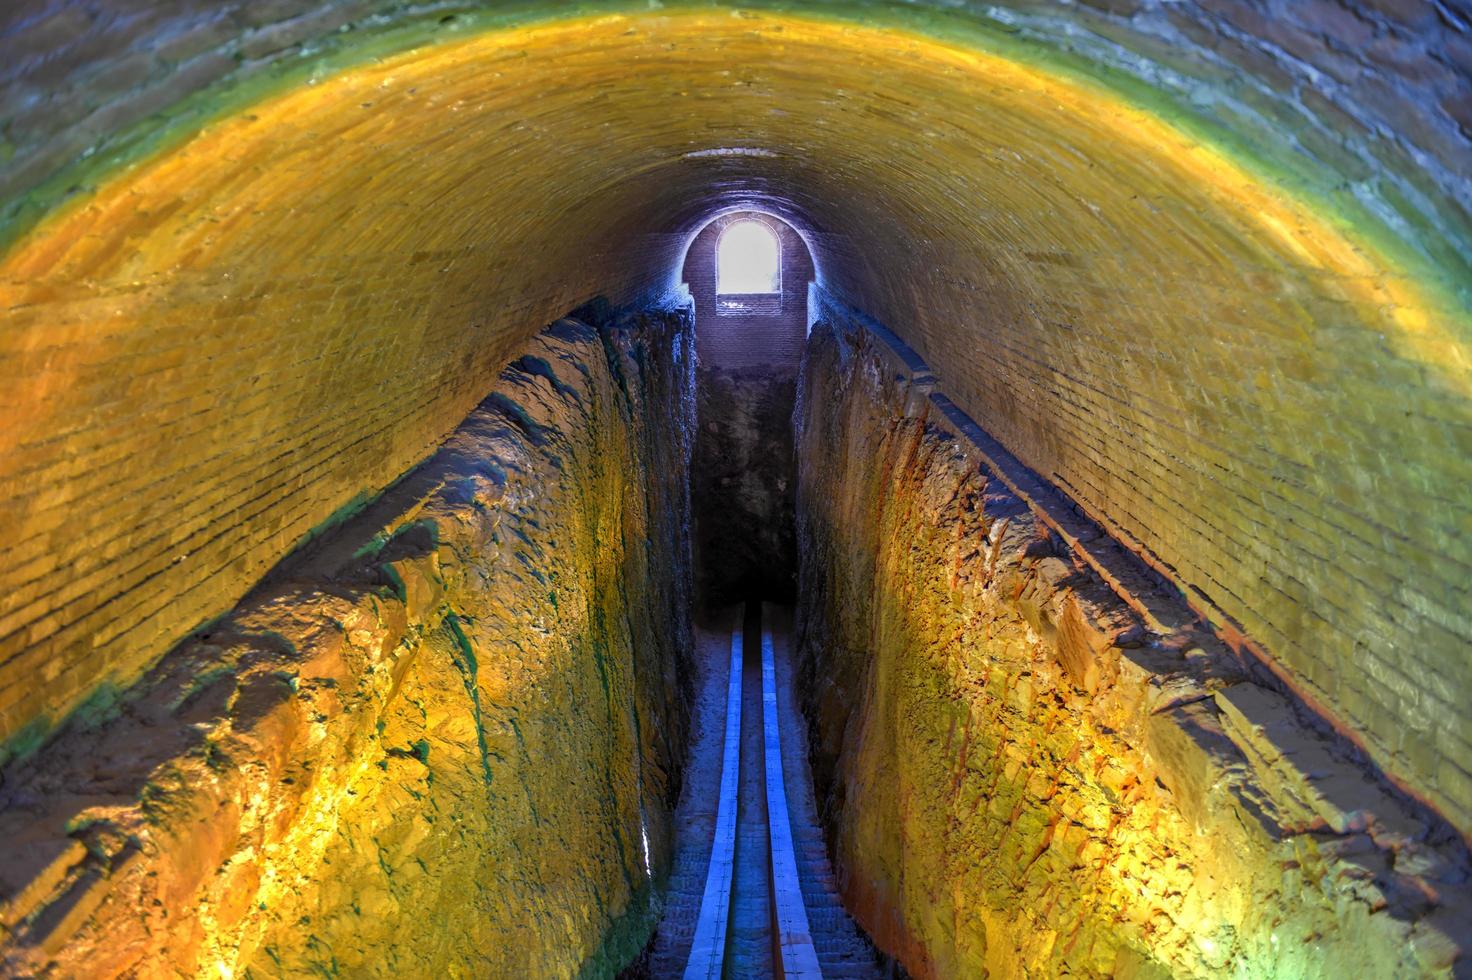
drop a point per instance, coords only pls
(828, 943)
(752, 892)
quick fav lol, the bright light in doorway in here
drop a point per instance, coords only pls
(748, 259)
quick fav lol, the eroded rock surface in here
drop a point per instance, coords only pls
(1032, 766)
(443, 741)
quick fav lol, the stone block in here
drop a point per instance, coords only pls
(1080, 647)
(1193, 755)
(1307, 782)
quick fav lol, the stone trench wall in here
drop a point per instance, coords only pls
(442, 742)
(1031, 764)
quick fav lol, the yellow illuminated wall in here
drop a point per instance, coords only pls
(227, 342)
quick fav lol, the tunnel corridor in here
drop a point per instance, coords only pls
(845, 488)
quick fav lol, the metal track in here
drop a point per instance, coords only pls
(794, 956)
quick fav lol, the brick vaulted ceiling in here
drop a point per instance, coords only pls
(1203, 266)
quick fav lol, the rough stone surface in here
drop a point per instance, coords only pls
(443, 741)
(1027, 771)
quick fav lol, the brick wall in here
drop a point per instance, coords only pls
(217, 350)
(1374, 95)
(265, 351)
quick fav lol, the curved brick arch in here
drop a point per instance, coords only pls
(1268, 398)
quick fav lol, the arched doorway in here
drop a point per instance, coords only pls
(748, 273)
(748, 268)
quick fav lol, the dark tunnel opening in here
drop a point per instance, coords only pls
(743, 475)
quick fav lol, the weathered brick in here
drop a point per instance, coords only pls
(1407, 13)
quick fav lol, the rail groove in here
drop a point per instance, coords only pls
(752, 893)
(708, 949)
(793, 953)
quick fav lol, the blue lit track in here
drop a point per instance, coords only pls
(752, 894)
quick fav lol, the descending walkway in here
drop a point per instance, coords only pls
(752, 894)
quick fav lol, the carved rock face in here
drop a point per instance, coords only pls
(1028, 770)
(365, 762)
